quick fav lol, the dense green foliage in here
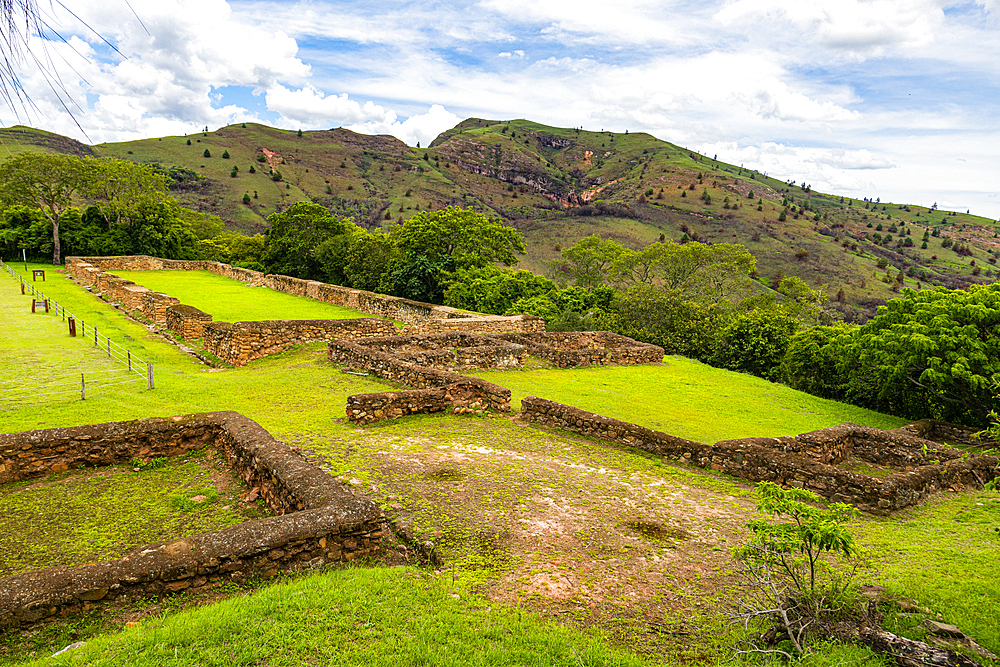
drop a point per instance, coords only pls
(163, 231)
(123, 193)
(414, 260)
(934, 353)
(756, 342)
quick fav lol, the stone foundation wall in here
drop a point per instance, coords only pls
(456, 351)
(430, 318)
(386, 366)
(187, 321)
(243, 342)
(805, 461)
(460, 397)
(155, 305)
(481, 324)
(132, 297)
(318, 520)
(586, 348)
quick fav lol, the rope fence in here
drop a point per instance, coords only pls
(134, 369)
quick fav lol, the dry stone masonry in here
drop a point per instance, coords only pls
(428, 362)
(420, 317)
(586, 348)
(423, 362)
(317, 520)
(920, 467)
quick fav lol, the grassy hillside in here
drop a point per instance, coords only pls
(557, 185)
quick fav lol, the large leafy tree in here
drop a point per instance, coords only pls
(707, 273)
(942, 345)
(48, 181)
(490, 289)
(465, 237)
(126, 192)
(588, 261)
(123, 192)
(293, 236)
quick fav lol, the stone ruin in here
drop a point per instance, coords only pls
(430, 364)
(917, 467)
(241, 342)
(317, 520)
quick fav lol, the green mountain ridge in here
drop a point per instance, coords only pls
(557, 185)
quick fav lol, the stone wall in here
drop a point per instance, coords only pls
(806, 461)
(318, 520)
(427, 317)
(386, 366)
(464, 396)
(243, 342)
(155, 305)
(187, 321)
(132, 297)
(480, 324)
(586, 348)
(456, 351)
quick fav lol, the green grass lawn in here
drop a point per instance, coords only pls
(93, 515)
(351, 617)
(944, 555)
(230, 300)
(688, 399)
(293, 393)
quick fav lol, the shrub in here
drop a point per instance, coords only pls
(756, 342)
(792, 586)
(207, 153)
(246, 198)
(812, 362)
(225, 155)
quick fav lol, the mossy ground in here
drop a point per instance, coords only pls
(91, 515)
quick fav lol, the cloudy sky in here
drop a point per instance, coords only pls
(896, 99)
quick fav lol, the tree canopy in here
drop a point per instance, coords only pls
(124, 192)
(467, 237)
(48, 181)
(945, 343)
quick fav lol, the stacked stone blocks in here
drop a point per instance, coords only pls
(317, 520)
(809, 460)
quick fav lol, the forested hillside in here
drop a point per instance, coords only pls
(558, 185)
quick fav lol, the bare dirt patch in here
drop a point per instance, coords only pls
(583, 531)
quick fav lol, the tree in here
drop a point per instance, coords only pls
(811, 363)
(933, 351)
(207, 153)
(490, 289)
(783, 562)
(225, 155)
(126, 192)
(48, 181)
(665, 318)
(293, 236)
(588, 261)
(756, 342)
(465, 237)
(370, 262)
(707, 273)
